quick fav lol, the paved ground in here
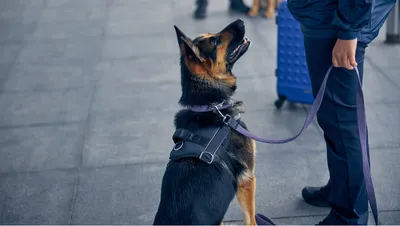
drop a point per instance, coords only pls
(88, 90)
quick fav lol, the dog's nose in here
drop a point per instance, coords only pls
(239, 22)
(235, 27)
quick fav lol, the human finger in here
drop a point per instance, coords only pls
(352, 60)
(347, 64)
(342, 60)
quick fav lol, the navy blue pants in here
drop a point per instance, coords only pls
(338, 119)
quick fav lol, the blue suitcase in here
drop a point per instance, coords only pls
(293, 81)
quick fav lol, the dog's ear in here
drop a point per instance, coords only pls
(179, 35)
(191, 49)
(186, 45)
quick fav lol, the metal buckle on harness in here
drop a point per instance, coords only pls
(227, 119)
(209, 157)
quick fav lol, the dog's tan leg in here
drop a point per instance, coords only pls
(277, 3)
(270, 12)
(255, 8)
(247, 188)
(246, 198)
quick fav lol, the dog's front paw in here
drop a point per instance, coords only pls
(253, 12)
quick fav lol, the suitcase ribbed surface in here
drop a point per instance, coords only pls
(293, 80)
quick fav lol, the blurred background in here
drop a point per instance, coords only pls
(88, 91)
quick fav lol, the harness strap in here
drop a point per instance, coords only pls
(186, 135)
(208, 152)
(215, 144)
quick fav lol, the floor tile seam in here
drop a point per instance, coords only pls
(41, 171)
(85, 136)
(55, 90)
(41, 124)
(83, 168)
(86, 131)
(23, 44)
(11, 66)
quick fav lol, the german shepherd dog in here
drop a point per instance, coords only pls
(192, 191)
(270, 7)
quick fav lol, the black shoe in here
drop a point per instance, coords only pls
(238, 6)
(316, 196)
(323, 222)
(201, 10)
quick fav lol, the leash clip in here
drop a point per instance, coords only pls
(226, 119)
(216, 110)
(221, 105)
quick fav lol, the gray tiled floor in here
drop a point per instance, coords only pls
(88, 91)
(37, 197)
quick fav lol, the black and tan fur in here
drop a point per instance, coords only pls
(192, 191)
(270, 7)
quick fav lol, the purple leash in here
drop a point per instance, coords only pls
(362, 127)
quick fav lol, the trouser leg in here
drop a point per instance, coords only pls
(201, 9)
(338, 119)
(238, 6)
(234, 5)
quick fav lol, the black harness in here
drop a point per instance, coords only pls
(207, 143)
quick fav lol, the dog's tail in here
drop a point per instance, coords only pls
(263, 220)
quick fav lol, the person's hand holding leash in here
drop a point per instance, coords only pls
(344, 54)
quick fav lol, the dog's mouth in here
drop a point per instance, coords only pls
(239, 44)
(239, 50)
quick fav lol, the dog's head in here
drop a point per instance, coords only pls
(207, 62)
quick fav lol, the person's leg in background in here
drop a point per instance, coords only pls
(238, 6)
(201, 9)
(345, 192)
(234, 5)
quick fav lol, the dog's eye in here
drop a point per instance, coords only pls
(213, 41)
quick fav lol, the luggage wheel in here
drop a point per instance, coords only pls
(279, 102)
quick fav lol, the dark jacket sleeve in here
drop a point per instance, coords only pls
(351, 16)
